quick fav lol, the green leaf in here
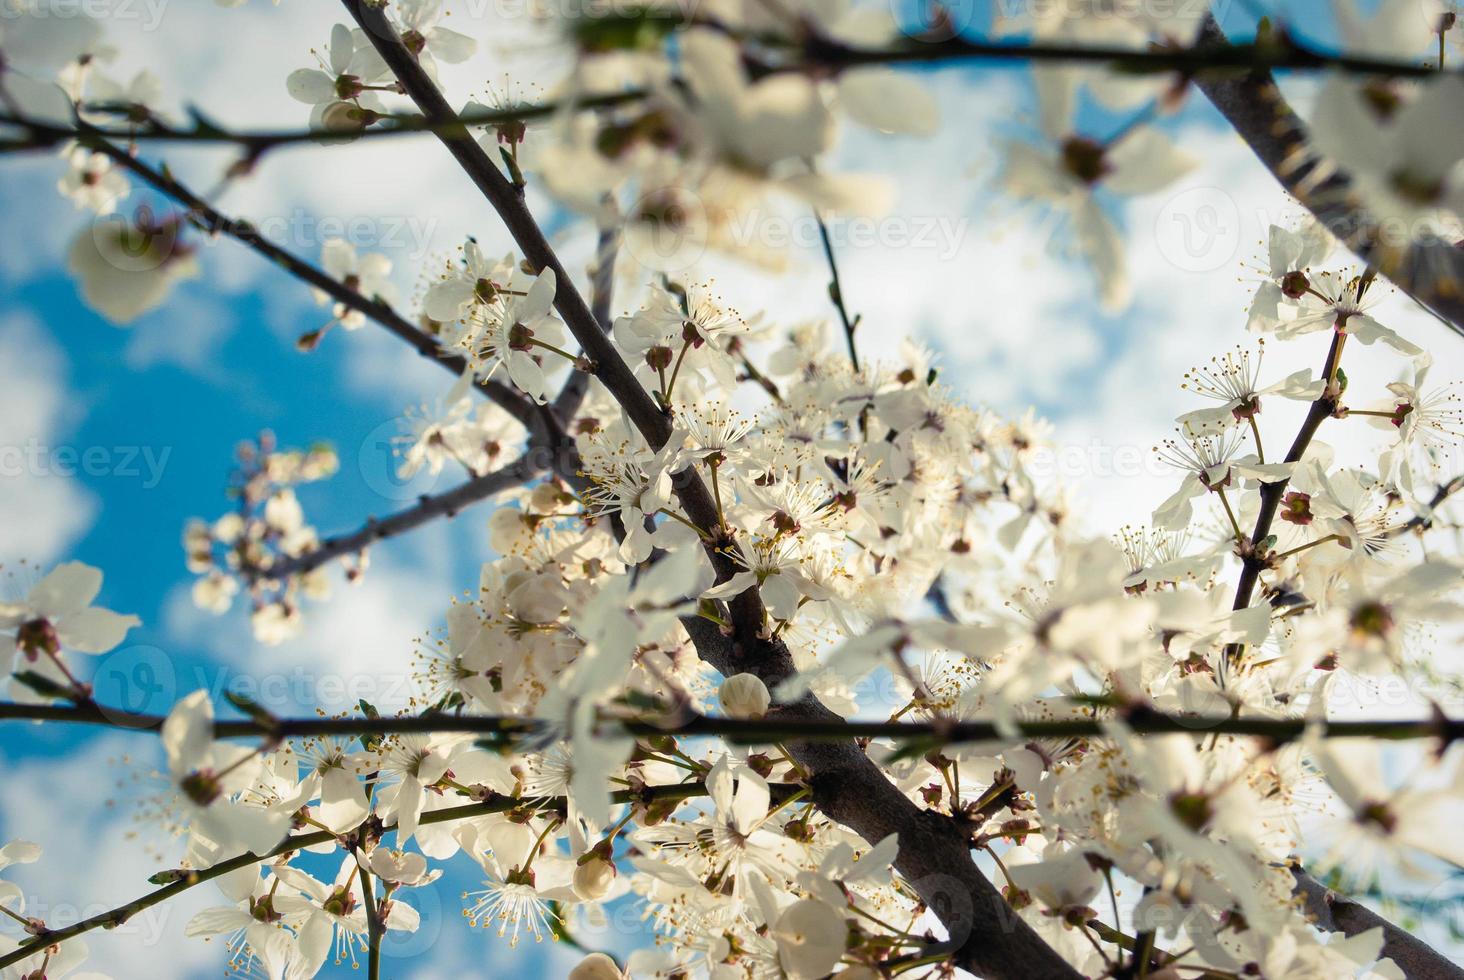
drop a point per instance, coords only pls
(44, 686)
(250, 707)
(168, 877)
(370, 741)
(917, 748)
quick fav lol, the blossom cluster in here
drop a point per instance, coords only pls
(858, 514)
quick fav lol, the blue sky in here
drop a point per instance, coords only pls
(161, 404)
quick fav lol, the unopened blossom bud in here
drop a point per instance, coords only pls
(744, 696)
(596, 966)
(659, 358)
(228, 528)
(594, 877)
(342, 117)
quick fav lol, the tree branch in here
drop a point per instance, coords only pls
(256, 143)
(1425, 520)
(784, 722)
(1210, 54)
(1271, 493)
(988, 938)
(836, 291)
(1430, 272)
(205, 217)
(602, 291)
(1213, 52)
(507, 200)
(186, 879)
(427, 508)
(1337, 913)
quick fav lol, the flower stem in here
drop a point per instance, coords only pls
(373, 924)
(1303, 547)
(1234, 524)
(676, 370)
(557, 350)
(717, 496)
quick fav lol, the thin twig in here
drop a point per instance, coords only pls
(210, 220)
(426, 509)
(772, 728)
(602, 292)
(1209, 55)
(836, 291)
(508, 200)
(1271, 493)
(258, 142)
(1425, 520)
(298, 842)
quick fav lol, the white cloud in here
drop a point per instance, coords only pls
(38, 222)
(358, 644)
(42, 508)
(1196, 252)
(185, 333)
(81, 808)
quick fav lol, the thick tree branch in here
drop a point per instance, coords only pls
(997, 941)
(985, 932)
(507, 200)
(1337, 913)
(1431, 272)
